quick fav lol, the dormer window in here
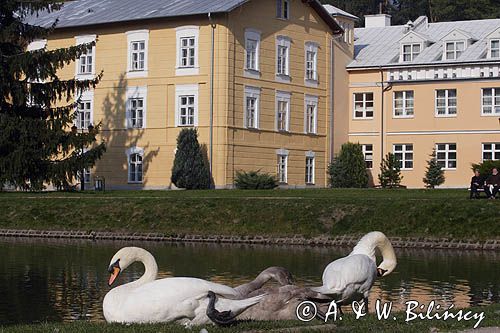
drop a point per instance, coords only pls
(495, 48)
(454, 49)
(283, 9)
(410, 51)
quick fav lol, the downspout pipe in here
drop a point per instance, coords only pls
(382, 150)
(383, 89)
(332, 98)
(212, 68)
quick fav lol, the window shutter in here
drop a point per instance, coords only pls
(278, 8)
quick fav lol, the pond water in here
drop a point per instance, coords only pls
(47, 280)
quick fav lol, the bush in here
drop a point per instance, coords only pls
(485, 167)
(190, 170)
(348, 168)
(390, 172)
(434, 176)
(255, 180)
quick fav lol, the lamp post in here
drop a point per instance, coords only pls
(74, 129)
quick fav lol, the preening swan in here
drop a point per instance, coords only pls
(180, 299)
(350, 279)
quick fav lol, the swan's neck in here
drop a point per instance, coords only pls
(368, 244)
(251, 286)
(150, 269)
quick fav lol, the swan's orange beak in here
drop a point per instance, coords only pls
(114, 275)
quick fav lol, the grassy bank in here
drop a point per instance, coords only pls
(348, 324)
(438, 213)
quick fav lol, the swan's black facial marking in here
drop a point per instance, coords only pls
(381, 272)
(114, 270)
(116, 264)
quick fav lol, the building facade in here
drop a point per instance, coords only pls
(254, 77)
(425, 86)
(279, 86)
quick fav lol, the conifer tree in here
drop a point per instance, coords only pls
(390, 172)
(190, 170)
(37, 107)
(348, 169)
(434, 176)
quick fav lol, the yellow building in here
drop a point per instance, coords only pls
(280, 85)
(425, 86)
(254, 77)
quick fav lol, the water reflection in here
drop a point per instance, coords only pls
(44, 280)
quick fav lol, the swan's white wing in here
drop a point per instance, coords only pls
(170, 299)
(348, 275)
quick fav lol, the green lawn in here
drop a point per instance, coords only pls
(348, 324)
(437, 213)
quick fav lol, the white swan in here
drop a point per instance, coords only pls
(350, 279)
(182, 300)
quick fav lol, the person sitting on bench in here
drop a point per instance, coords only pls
(492, 184)
(476, 183)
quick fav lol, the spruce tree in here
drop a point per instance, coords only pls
(390, 172)
(348, 168)
(434, 176)
(37, 146)
(190, 169)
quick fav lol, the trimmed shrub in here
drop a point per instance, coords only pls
(348, 169)
(390, 172)
(190, 170)
(434, 176)
(255, 180)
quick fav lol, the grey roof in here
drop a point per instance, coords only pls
(334, 11)
(89, 12)
(380, 46)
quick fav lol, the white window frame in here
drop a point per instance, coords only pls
(136, 93)
(412, 54)
(311, 47)
(495, 108)
(310, 171)
(133, 37)
(281, 5)
(283, 96)
(132, 151)
(84, 39)
(447, 151)
(187, 32)
(491, 49)
(494, 151)
(456, 53)
(368, 152)
(254, 35)
(447, 106)
(406, 110)
(365, 109)
(350, 28)
(405, 149)
(186, 90)
(311, 128)
(282, 156)
(85, 96)
(251, 92)
(283, 42)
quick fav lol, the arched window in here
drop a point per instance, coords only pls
(135, 171)
(135, 168)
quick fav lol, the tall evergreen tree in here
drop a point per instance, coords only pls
(37, 145)
(434, 175)
(348, 169)
(390, 172)
(190, 169)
